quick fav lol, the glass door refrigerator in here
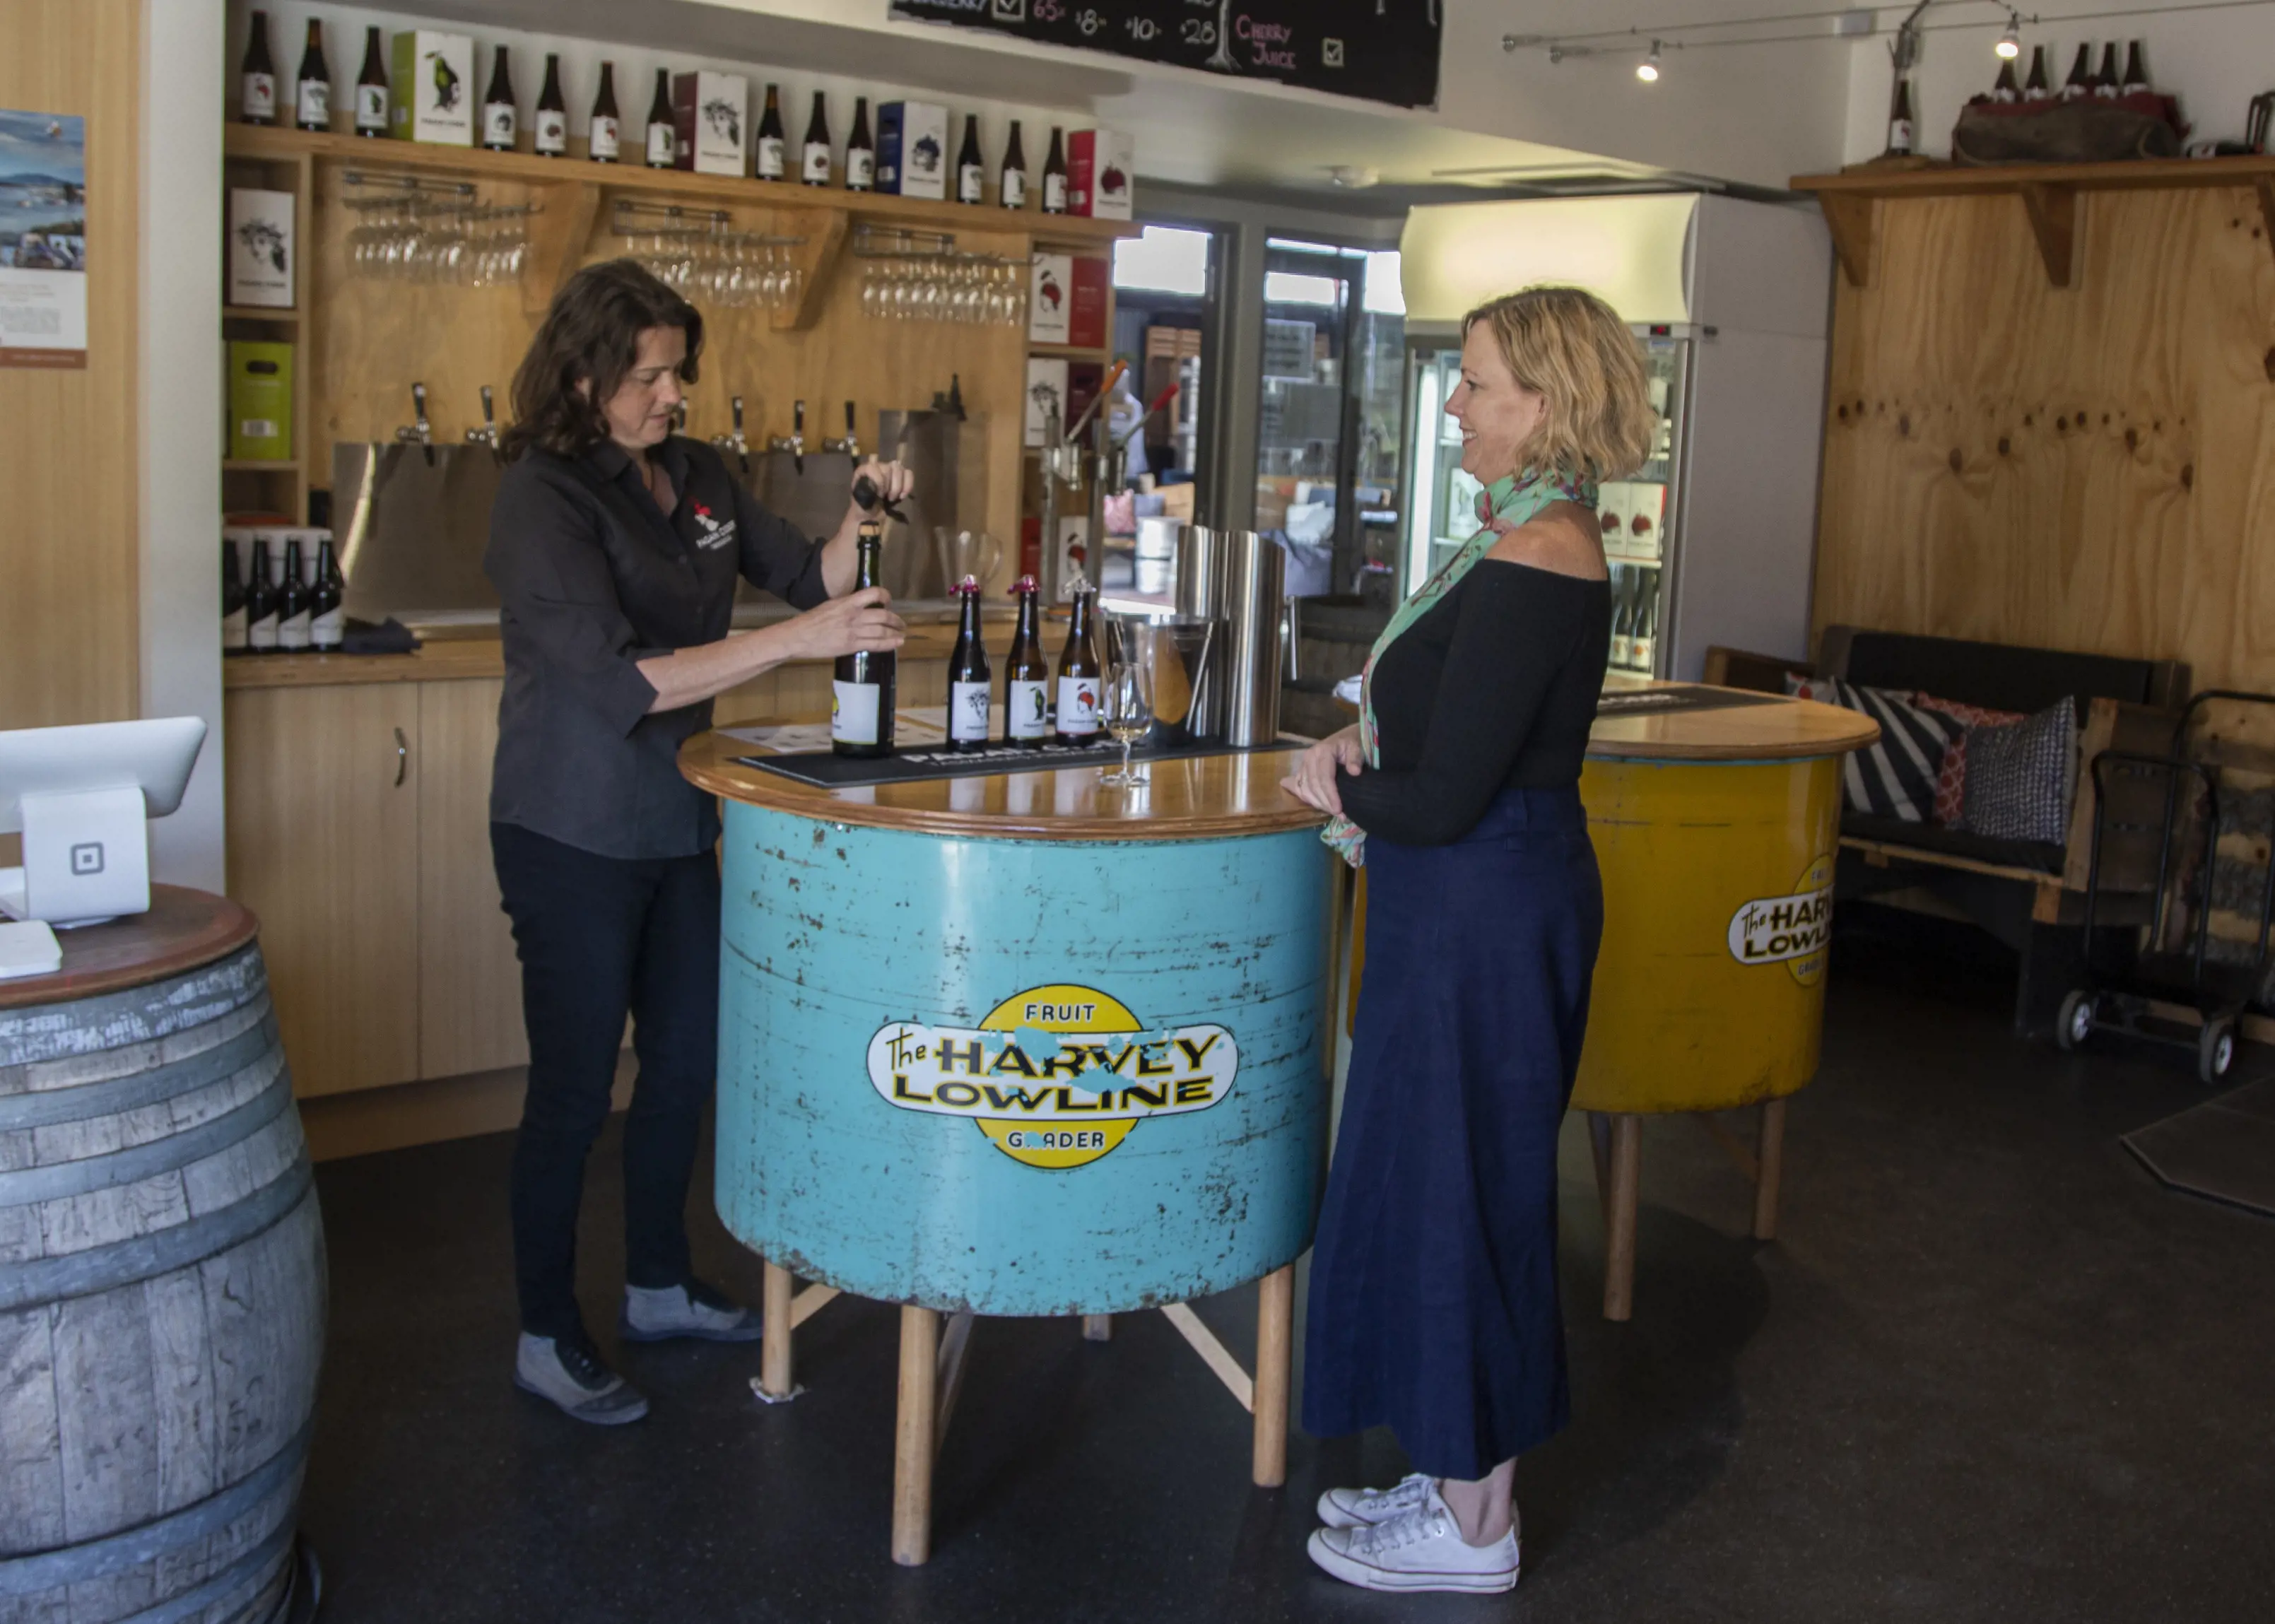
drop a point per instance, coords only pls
(1639, 538)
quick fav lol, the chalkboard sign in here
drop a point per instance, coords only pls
(1383, 51)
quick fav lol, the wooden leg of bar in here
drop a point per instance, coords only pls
(1098, 1327)
(774, 1368)
(913, 1442)
(1771, 1159)
(1275, 1335)
(1620, 1231)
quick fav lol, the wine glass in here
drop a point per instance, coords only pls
(1126, 707)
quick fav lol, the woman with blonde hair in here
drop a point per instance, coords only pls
(1433, 1304)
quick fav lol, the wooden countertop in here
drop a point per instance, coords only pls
(467, 658)
(1780, 730)
(1204, 799)
(183, 930)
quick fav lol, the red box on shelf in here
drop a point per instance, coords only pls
(1087, 306)
(1099, 162)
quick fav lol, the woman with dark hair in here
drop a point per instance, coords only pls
(1434, 1301)
(615, 546)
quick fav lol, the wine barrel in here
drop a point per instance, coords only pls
(162, 1300)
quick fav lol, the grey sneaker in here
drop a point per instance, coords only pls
(659, 1314)
(1363, 1508)
(571, 1374)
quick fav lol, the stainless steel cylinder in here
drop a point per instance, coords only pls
(1202, 588)
(1256, 575)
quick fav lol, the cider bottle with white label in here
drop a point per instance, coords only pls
(1080, 676)
(1026, 677)
(861, 688)
(970, 683)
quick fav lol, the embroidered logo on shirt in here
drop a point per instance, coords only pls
(713, 533)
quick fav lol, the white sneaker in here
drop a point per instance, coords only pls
(1418, 1550)
(571, 1374)
(1359, 1507)
(661, 1313)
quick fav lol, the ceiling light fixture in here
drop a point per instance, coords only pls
(2010, 43)
(1647, 70)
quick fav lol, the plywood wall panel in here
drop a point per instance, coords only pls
(2089, 468)
(68, 543)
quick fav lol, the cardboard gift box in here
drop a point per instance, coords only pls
(1093, 274)
(261, 247)
(1099, 163)
(260, 402)
(434, 89)
(711, 116)
(1050, 299)
(912, 149)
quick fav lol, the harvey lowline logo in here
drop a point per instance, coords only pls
(1792, 930)
(1056, 1076)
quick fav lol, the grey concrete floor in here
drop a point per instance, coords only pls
(1990, 1370)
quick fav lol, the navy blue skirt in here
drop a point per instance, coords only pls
(1433, 1305)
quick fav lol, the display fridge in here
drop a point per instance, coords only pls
(1712, 540)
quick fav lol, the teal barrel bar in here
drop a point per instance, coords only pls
(1014, 1075)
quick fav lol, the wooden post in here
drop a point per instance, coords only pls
(1098, 1327)
(1275, 1328)
(1770, 1160)
(1620, 1230)
(774, 1368)
(913, 1442)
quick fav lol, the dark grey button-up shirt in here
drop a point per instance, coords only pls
(595, 578)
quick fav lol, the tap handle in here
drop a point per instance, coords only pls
(849, 420)
(738, 403)
(489, 408)
(799, 420)
(418, 409)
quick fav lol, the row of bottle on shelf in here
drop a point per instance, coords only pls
(1634, 616)
(695, 121)
(286, 601)
(2085, 82)
(1038, 709)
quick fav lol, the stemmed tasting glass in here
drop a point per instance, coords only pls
(1126, 707)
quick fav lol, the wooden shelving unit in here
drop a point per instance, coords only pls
(2049, 194)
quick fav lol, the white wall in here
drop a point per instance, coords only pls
(2215, 62)
(180, 426)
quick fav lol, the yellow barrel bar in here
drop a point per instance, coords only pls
(1718, 904)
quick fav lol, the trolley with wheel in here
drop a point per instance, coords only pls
(2138, 998)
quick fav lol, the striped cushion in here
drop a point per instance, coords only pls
(1896, 777)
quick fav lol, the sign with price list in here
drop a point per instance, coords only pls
(1382, 50)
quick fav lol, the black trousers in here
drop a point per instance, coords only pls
(599, 937)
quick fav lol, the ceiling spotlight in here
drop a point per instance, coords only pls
(2010, 43)
(1647, 70)
(1354, 177)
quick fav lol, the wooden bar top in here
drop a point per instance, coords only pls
(183, 930)
(1208, 797)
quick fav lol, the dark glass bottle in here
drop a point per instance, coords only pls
(1623, 613)
(232, 600)
(2005, 90)
(2107, 83)
(1899, 119)
(261, 603)
(498, 114)
(2035, 88)
(2136, 77)
(861, 150)
(970, 683)
(602, 140)
(257, 76)
(1026, 676)
(772, 141)
(2079, 82)
(371, 87)
(1642, 638)
(1055, 176)
(328, 621)
(312, 86)
(861, 685)
(292, 604)
(1011, 182)
(1079, 674)
(662, 130)
(970, 169)
(549, 133)
(813, 161)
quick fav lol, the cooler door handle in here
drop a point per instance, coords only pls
(402, 756)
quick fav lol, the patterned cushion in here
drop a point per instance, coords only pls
(1896, 777)
(2020, 776)
(1951, 782)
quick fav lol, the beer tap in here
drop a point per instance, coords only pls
(850, 445)
(1059, 469)
(420, 434)
(488, 434)
(735, 441)
(794, 442)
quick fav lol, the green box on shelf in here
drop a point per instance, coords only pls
(260, 402)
